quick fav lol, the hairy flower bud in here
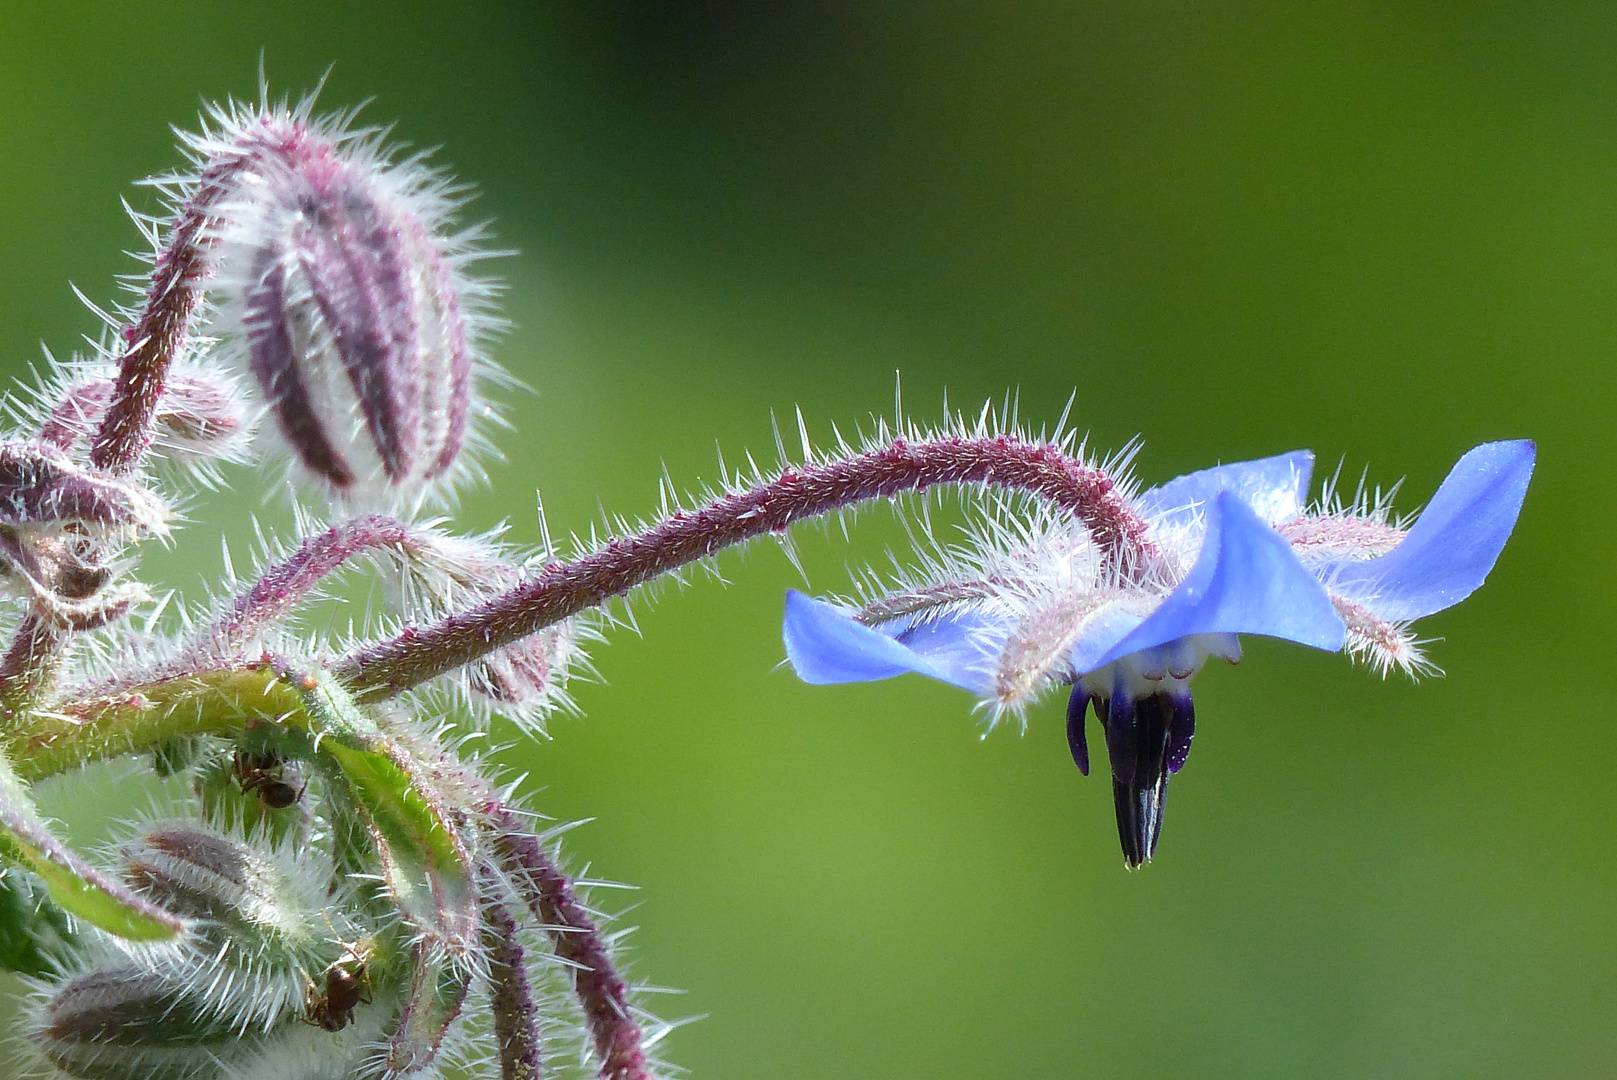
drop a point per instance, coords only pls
(122, 1023)
(524, 681)
(346, 299)
(259, 925)
(41, 486)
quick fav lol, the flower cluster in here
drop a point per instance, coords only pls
(337, 885)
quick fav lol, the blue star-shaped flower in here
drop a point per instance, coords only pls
(1257, 564)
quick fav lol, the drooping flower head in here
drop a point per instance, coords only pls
(1237, 552)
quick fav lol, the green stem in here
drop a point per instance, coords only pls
(137, 719)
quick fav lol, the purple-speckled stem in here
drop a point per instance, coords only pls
(601, 991)
(561, 590)
(516, 1029)
(159, 334)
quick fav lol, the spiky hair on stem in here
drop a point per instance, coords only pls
(1339, 529)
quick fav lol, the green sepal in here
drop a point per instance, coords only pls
(34, 934)
(174, 756)
(438, 989)
(425, 865)
(77, 887)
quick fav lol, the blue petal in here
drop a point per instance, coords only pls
(1274, 487)
(1246, 581)
(1455, 541)
(827, 645)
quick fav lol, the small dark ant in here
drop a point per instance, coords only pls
(348, 985)
(265, 774)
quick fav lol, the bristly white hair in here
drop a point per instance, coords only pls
(248, 220)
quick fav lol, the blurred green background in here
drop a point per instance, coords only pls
(1383, 231)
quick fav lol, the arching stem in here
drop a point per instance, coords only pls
(159, 334)
(561, 590)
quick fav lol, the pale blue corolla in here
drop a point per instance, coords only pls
(1258, 563)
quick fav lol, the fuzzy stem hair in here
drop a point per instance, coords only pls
(159, 334)
(806, 491)
(290, 580)
(601, 990)
(511, 1000)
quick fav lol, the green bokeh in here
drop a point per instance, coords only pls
(1386, 232)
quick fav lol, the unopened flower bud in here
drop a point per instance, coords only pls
(349, 307)
(41, 486)
(258, 924)
(122, 1023)
(526, 679)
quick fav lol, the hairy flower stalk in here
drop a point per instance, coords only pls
(336, 888)
(810, 490)
(516, 1016)
(619, 1041)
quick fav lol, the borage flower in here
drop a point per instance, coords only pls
(1034, 604)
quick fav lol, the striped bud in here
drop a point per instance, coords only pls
(122, 1023)
(258, 925)
(344, 293)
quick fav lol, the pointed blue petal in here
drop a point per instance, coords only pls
(1275, 487)
(1246, 581)
(827, 645)
(1455, 541)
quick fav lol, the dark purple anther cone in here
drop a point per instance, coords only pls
(1147, 740)
(1077, 706)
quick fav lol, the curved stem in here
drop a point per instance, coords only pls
(289, 581)
(516, 1015)
(601, 990)
(29, 669)
(159, 334)
(561, 590)
(139, 717)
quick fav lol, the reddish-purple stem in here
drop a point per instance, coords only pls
(516, 1016)
(289, 581)
(561, 590)
(601, 991)
(29, 668)
(159, 334)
